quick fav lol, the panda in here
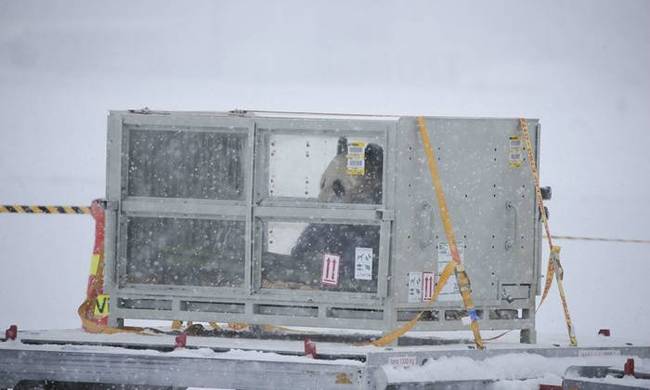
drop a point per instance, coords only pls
(303, 268)
(338, 186)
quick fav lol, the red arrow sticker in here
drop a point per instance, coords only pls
(330, 275)
(428, 283)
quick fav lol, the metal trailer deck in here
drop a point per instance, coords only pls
(215, 362)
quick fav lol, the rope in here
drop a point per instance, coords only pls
(602, 239)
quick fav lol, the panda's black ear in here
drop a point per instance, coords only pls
(374, 159)
(342, 146)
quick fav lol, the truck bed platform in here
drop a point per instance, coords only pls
(242, 363)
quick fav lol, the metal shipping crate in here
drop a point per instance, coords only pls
(317, 220)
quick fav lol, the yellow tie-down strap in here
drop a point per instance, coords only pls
(453, 267)
(554, 267)
(559, 277)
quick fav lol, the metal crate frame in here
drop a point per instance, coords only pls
(384, 310)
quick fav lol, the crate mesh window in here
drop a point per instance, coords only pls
(187, 252)
(325, 168)
(295, 255)
(186, 164)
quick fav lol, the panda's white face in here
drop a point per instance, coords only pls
(337, 186)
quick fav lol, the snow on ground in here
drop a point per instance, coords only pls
(509, 370)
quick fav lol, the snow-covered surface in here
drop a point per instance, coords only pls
(510, 369)
(204, 352)
(292, 347)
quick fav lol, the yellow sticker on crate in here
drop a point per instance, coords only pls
(515, 154)
(94, 264)
(356, 158)
(102, 304)
(343, 379)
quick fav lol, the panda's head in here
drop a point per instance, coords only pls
(339, 186)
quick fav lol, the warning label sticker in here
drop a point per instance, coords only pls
(598, 352)
(428, 283)
(444, 254)
(515, 153)
(450, 291)
(363, 263)
(356, 158)
(415, 287)
(402, 361)
(101, 305)
(330, 275)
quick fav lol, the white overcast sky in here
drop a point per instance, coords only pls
(579, 66)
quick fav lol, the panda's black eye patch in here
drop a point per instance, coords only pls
(338, 188)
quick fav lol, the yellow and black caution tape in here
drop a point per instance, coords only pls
(454, 267)
(21, 209)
